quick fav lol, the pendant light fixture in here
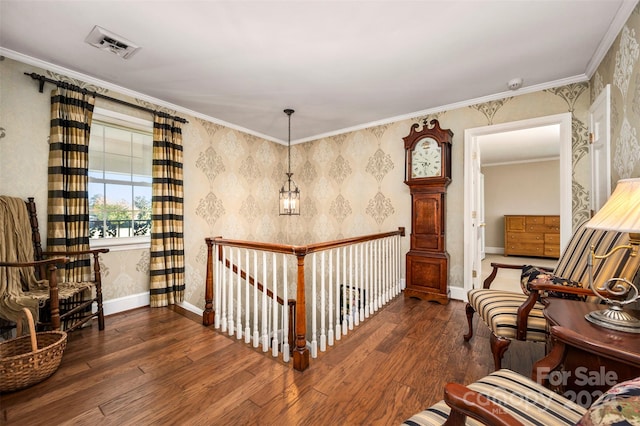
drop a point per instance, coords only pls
(289, 193)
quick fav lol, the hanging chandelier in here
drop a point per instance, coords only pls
(289, 193)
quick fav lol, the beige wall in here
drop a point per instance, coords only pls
(352, 184)
(524, 188)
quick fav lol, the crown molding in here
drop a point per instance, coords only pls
(124, 91)
(622, 16)
(128, 92)
(522, 91)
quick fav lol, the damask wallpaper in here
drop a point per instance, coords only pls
(352, 183)
(621, 70)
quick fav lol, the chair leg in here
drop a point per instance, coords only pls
(469, 311)
(499, 346)
(98, 278)
(100, 312)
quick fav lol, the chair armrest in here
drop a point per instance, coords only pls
(466, 402)
(52, 261)
(497, 266)
(523, 315)
(534, 295)
(77, 252)
(97, 277)
(537, 287)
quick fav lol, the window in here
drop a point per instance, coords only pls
(120, 161)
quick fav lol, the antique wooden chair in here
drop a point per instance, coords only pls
(505, 397)
(30, 277)
(518, 316)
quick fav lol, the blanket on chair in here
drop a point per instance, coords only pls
(16, 246)
(19, 287)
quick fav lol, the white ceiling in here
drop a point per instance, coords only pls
(340, 64)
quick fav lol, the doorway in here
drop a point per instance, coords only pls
(473, 223)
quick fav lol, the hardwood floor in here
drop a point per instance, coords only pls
(161, 366)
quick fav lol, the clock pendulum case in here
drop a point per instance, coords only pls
(428, 173)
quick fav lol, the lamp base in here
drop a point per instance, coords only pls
(614, 319)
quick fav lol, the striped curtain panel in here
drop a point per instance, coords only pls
(167, 237)
(68, 200)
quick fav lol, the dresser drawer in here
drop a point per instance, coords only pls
(526, 249)
(542, 227)
(552, 251)
(534, 220)
(514, 223)
(552, 239)
(525, 237)
(553, 221)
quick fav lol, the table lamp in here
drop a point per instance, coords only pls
(620, 213)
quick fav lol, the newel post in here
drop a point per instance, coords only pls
(301, 352)
(208, 313)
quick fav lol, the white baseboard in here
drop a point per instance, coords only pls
(494, 250)
(126, 303)
(139, 300)
(458, 293)
(189, 307)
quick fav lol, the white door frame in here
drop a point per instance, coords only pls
(470, 223)
(600, 148)
(481, 217)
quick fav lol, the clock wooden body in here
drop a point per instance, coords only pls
(428, 165)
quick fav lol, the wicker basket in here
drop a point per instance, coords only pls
(27, 360)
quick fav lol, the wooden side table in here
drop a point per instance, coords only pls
(585, 359)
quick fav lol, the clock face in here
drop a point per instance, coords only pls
(426, 159)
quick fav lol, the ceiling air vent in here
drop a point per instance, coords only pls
(106, 40)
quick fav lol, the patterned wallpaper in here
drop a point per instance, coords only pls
(352, 184)
(620, 68)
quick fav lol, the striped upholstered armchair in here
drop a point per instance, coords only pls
(504, 397)
(507, 398)
(519, 316)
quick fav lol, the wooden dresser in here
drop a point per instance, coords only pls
(532, 235)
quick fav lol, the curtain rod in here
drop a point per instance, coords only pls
(42, 79)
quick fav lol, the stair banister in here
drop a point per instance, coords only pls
(297, 308)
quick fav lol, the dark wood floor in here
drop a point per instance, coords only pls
(160, 366)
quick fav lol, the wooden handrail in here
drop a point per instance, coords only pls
(256, 245)
(301, 250)
(312, 248)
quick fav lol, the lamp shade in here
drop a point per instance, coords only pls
(621, 212)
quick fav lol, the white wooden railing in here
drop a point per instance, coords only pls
(248, 285)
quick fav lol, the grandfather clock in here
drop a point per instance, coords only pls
(428, 173)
